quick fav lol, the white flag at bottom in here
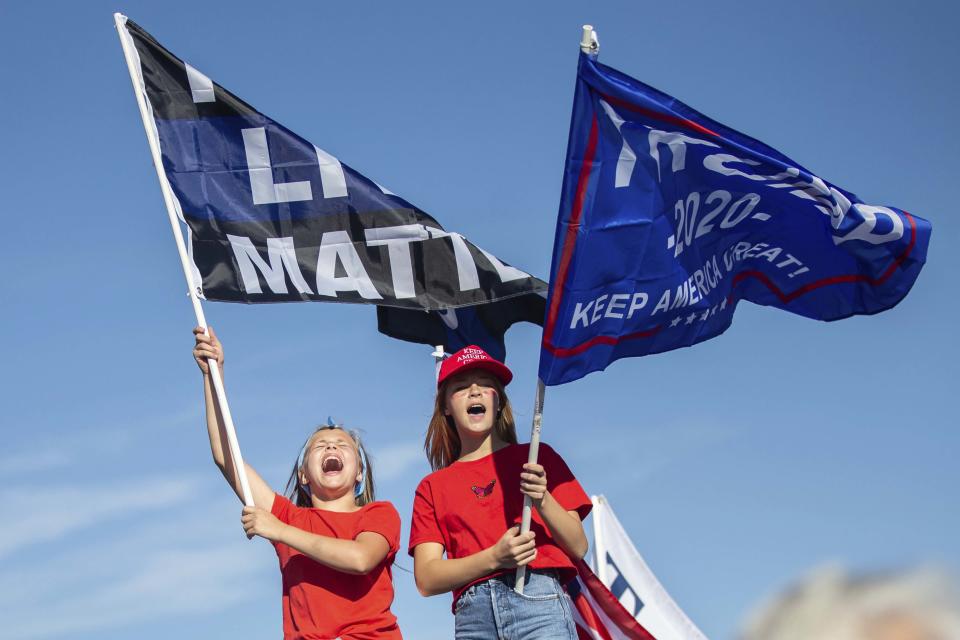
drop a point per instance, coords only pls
(623, 571)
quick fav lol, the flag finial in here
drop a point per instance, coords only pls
(588, 40)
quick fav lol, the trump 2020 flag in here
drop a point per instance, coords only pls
(667, 219)
(274, 218)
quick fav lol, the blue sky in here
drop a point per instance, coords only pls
(735, 466)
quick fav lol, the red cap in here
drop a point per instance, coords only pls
(470, 358)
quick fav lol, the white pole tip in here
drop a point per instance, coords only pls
(586, 40)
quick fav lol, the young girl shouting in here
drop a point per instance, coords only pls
(335, 544)
(470, 506)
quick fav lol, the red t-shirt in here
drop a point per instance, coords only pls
(320, 603)
(468, 506)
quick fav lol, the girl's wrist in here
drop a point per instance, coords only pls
(490, 562)
(282, 530)
(542, 501)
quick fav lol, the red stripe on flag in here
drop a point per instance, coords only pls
(611, 340)
(786, 298)
(657, 115)
(582, 634)
(570, 240)
(590, 619)
(626, 624)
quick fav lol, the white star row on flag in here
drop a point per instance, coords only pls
(702, 315)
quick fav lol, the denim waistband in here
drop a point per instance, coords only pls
(510, 577)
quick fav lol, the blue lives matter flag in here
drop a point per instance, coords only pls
(274, 218)
(668, 218)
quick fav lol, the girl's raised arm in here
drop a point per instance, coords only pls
(208, 346)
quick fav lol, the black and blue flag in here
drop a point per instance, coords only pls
(274, 218)
(668, 219)
(482, 324)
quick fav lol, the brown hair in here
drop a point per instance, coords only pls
(300, 495)
(442, 444)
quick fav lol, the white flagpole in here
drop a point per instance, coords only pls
(588, 44)
(153, 139)
(531, 457)
(438, 354)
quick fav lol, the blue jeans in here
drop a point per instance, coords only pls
(492, 610)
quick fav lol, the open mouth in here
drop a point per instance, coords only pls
(332, 464)
(476, 410)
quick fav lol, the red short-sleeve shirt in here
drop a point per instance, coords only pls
(320, 602)
(468, 506)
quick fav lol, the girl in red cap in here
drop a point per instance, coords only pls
(469, 509)
(336, 545)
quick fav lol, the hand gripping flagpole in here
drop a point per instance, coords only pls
(133, 66)
(588, 44)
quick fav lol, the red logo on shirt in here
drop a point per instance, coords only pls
(483, 492)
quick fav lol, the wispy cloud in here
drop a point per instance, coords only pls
(187, 564)
(393, 461)
(642, 453)
(171, 583)
(55, 448)
(50, 513)
(29, 461)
